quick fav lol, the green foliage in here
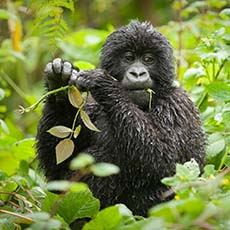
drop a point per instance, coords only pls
(200, 37)
(49, 18)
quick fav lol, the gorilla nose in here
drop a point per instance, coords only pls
(138, 72)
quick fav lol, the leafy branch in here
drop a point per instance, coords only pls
(35, 105)
(64, 149)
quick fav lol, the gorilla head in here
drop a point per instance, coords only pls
(139, 57)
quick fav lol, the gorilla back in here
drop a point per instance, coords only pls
(145, 139)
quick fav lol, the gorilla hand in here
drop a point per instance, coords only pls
(57, 73)
(89, 80)
(96, 80)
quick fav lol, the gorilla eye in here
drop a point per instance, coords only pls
(129, 56)
(148, 58)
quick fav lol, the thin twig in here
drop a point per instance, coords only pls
(221, 67)
(17, 215)
(35, 105)
(14, 86)
(75, 120)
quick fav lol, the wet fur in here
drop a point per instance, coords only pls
(145, 144)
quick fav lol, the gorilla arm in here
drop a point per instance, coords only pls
(128, 121)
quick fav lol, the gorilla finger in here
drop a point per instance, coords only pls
(78, 79)
(73, 77)
(67, 70)
(57, 65)
(48, 69)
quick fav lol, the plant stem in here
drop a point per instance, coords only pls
(206, 70)
(221, 67)
(14, 86)
(29, 220)
(35, 105)
(75, 120)
(223, 160)
(213, 69)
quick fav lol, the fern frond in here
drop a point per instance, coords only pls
(49, 21)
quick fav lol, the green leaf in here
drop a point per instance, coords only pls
(216, 145)
(146, 224)
(6, 224)
(10, 186)
(164, 211)
(24, 168)
(209, 170)
(43, 221)
(169, 211)
(75, 97)
(127, 216)
(109, 218)
(60, 185)
(219, 91)
(83, 65)
(78, 187)
(104, 169)
(24, 149)
(64, 149)
(194, 73)
(77, 131)
(4, 14)
(50, 224)
(4, 126)
(81, 161)
(88, 123)
(203, 102)
(171, 181)
(194, 169)
(227, 161)
(2, 94)
(225, 14)
(60, 131)
(78, 205)
(48, 202)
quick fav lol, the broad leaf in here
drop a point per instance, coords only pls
(75, 97)
(64, 150)
(81, 161)
(2, 93)
(83, 65)
(78, 205)
(88, 123)
(60, 185)
(77, 131)
(219, 91)
(104, 169)
(49, 201)
(109, 218)
(216, 145)
(60, 131)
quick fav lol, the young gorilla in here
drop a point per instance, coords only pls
(144, 142)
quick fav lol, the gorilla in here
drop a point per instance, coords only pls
(144, 138)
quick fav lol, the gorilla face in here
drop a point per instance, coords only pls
(139, 57)
(136, 71)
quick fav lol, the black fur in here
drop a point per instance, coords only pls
(145, 144)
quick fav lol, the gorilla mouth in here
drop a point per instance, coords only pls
(141, 97)
(136, 89)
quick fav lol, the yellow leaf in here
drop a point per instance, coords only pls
(75, 97)
(88, 123)
(60, 131)
(16, 34)
(64, 150)
(77, 131)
